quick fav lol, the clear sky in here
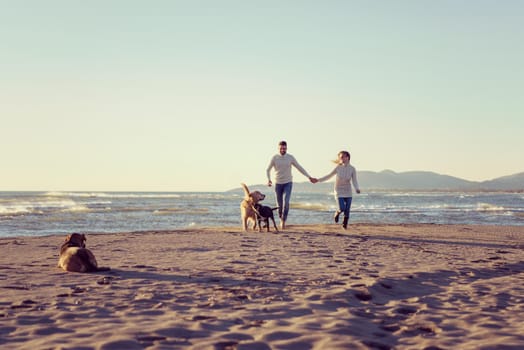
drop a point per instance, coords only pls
(195, 95)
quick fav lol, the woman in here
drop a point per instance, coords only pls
(346, 174)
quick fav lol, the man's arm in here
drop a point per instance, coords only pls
(300, 168)
(268, 171)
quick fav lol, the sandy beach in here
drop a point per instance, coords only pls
(309, 287)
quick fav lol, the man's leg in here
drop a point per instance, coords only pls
(279, 195)
(287, 188)
(287, 198)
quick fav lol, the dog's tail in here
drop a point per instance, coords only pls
(275, 208)
(246, 190)
(99, 269)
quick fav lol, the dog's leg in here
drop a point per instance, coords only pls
(244, 224)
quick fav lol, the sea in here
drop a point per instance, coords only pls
(50, 213)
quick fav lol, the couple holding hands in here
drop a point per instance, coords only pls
(345, 173)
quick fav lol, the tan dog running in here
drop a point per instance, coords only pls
(75, 257)
(247, 213)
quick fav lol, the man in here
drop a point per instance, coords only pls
(282, 163)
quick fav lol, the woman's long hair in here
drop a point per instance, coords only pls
(338, 161)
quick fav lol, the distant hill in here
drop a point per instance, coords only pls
(510, 182)
(412, 180)
(416, 181)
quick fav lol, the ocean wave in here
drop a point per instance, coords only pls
(15, 210)
(489, 207)
(35, 207)
(170, 211)
(140, 195)
(111, 195)
(385, 211)
(415, 194)
(77, 209)
(311, 206)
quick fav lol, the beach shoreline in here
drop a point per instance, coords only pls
(409, 286)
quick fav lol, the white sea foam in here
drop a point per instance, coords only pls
(9, 210)
(167, 211)
(311, 206)
(34, 207)
(411, 194)
(112, 195)
(489, 207)
(171, 211)
(76, 209)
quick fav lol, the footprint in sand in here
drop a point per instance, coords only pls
(406, 310)
(121, 344)
(363, 295)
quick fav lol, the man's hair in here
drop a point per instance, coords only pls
(282, 143)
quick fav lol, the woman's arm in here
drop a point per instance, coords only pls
(328, 176)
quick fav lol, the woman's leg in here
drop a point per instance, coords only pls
(347, 206)
(347, 209)
(341, 206)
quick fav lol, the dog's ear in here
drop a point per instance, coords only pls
(84, 237)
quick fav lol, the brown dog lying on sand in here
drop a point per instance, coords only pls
(247, 213)
(75, 257)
